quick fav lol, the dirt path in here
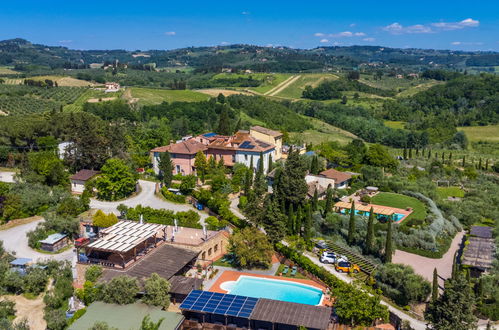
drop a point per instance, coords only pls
(30, 309)
(424, 266)
(282, 85)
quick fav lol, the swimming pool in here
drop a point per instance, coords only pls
(258, 287)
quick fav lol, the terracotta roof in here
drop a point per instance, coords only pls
(337, 176)
(267, 131)
(241, 141)
(84, 175)
(189, 147)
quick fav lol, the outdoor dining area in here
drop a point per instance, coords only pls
(122, 244)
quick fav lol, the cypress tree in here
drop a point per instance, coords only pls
(487, 164)
(443, 157)
(238, 125)
(165, 168)
(450, 158)
(429, 153)
(405, 153)
(315, 200)
(307, 226)
(436, 155)
(434, 288)
(410, 153)
(464, 161)
(480, 163)
(224, 123)
(270, 166)
(417, 152)
(260, 184)
(329, 200)
(370, 232)
(389, 243)
(247, 181)
(298, 220)
(351, 224)
(291, 220)
(314, 165)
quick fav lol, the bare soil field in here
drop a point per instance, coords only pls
(30, 309)
(226, 92)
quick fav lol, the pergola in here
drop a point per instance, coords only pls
(380, 210)
(127, 239)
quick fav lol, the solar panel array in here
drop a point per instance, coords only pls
(246, 145)
(219, 303)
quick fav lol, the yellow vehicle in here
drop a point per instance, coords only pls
(347, 267)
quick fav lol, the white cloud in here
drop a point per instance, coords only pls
(369, 39)
(65, 41)
(245, 13)
(324, 40)
(223, 43)
(456, 43)
(170, 33)
(466, 43)
(319, 34)
(347, 34)
(448, 26)
(397, 28)
(352, 25)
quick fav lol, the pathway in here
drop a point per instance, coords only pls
(277, 89)
(424, 266)
(146, 197)
(15, 241)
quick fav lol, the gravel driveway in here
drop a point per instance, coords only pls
(424, 266)
(146, 197)
(15, 240)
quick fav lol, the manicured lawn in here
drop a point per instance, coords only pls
(401, 202)
(150, 96)
(445, 192)
(481, 133)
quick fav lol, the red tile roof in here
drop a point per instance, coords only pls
(337, 176)
(189, 147)
(84, 175)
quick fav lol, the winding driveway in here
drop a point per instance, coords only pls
(146, 197)
(15, 241)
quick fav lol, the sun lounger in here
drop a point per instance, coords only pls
(293, 272)
(285, 270)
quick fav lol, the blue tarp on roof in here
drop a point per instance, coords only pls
(20, 261)
(54, 238)
(209, 134)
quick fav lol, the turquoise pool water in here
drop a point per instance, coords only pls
(274, 289)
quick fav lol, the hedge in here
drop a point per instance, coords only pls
(168, 195)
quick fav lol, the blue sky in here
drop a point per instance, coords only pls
(438, 24)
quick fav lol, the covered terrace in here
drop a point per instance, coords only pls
(122, 244)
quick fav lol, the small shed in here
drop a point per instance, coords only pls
(54, 242)
(79, 179)
(21, 264)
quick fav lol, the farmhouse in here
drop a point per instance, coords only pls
(79, 179)
(54, 242)
(341, 179)
(112, 87)
(182, 155)
(269, 136)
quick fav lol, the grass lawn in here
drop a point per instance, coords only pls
(296, 89)
(395, 124)
(401, 202)
(281, 268)
(444, 192)
(488, 133)
(150, 96)
(87, 95)
(272, 81)
(322, 132)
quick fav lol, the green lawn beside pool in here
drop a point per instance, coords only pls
(401, 202)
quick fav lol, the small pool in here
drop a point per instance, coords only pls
(258, 287)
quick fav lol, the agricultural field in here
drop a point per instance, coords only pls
(64, 81)
(271, 82)
(401, 202)
(7, 70)
(214, 92)
(150, 96)
(321, 132)
(481, 133)
(25, 105)
(90, 95)
(295, 89)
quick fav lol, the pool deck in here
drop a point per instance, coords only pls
(229, 275)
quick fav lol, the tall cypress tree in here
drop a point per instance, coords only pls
(487, 164)
(315, 200)
(248, 181)
(238, 125)
(165, 166)
(224, 122)
(405, 153)
(270, 166)
(434, 288)
(429, 153)
(410, 153)
(329, 200)
(450, 157)
(298, 220)
(443, 157)
(260, 184)
(351, 225)
(370, 232)
(480, 164)
(389, 243)
(307, 226)
(291, 220)
(314, 165)
(464, 161)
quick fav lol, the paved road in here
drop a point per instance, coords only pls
(146, 197)
(424, 266)
(15, 240)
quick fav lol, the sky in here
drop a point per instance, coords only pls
(144, 25)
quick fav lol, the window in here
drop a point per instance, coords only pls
(245, 157)
(203, 256)
(209, 252)
(177, 168)
(215, 249)
(233, 158)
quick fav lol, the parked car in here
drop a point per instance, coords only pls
(346, 267)
(81, 241)
(321, 245)
(328, 257)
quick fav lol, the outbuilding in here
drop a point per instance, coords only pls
(54, 242)
(79, 179)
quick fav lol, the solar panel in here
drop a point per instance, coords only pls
(219, 303)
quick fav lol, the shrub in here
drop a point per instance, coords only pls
(7, 309)
(102, 220)
(35, 281)
(168, 195)
(120, 290)
(156, 291)
(56, 319)
(93, 273)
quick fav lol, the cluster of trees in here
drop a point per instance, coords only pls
(40, 83)
(165, 217)
(53, 223)
(332, 89)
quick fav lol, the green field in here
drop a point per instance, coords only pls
(321, 132)
(7, 70)
(295, 89)
(150, 96)
(272, 81)
(401, 202)
(444, 192)
(481, 133)
(395, 124)
(88, 95)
